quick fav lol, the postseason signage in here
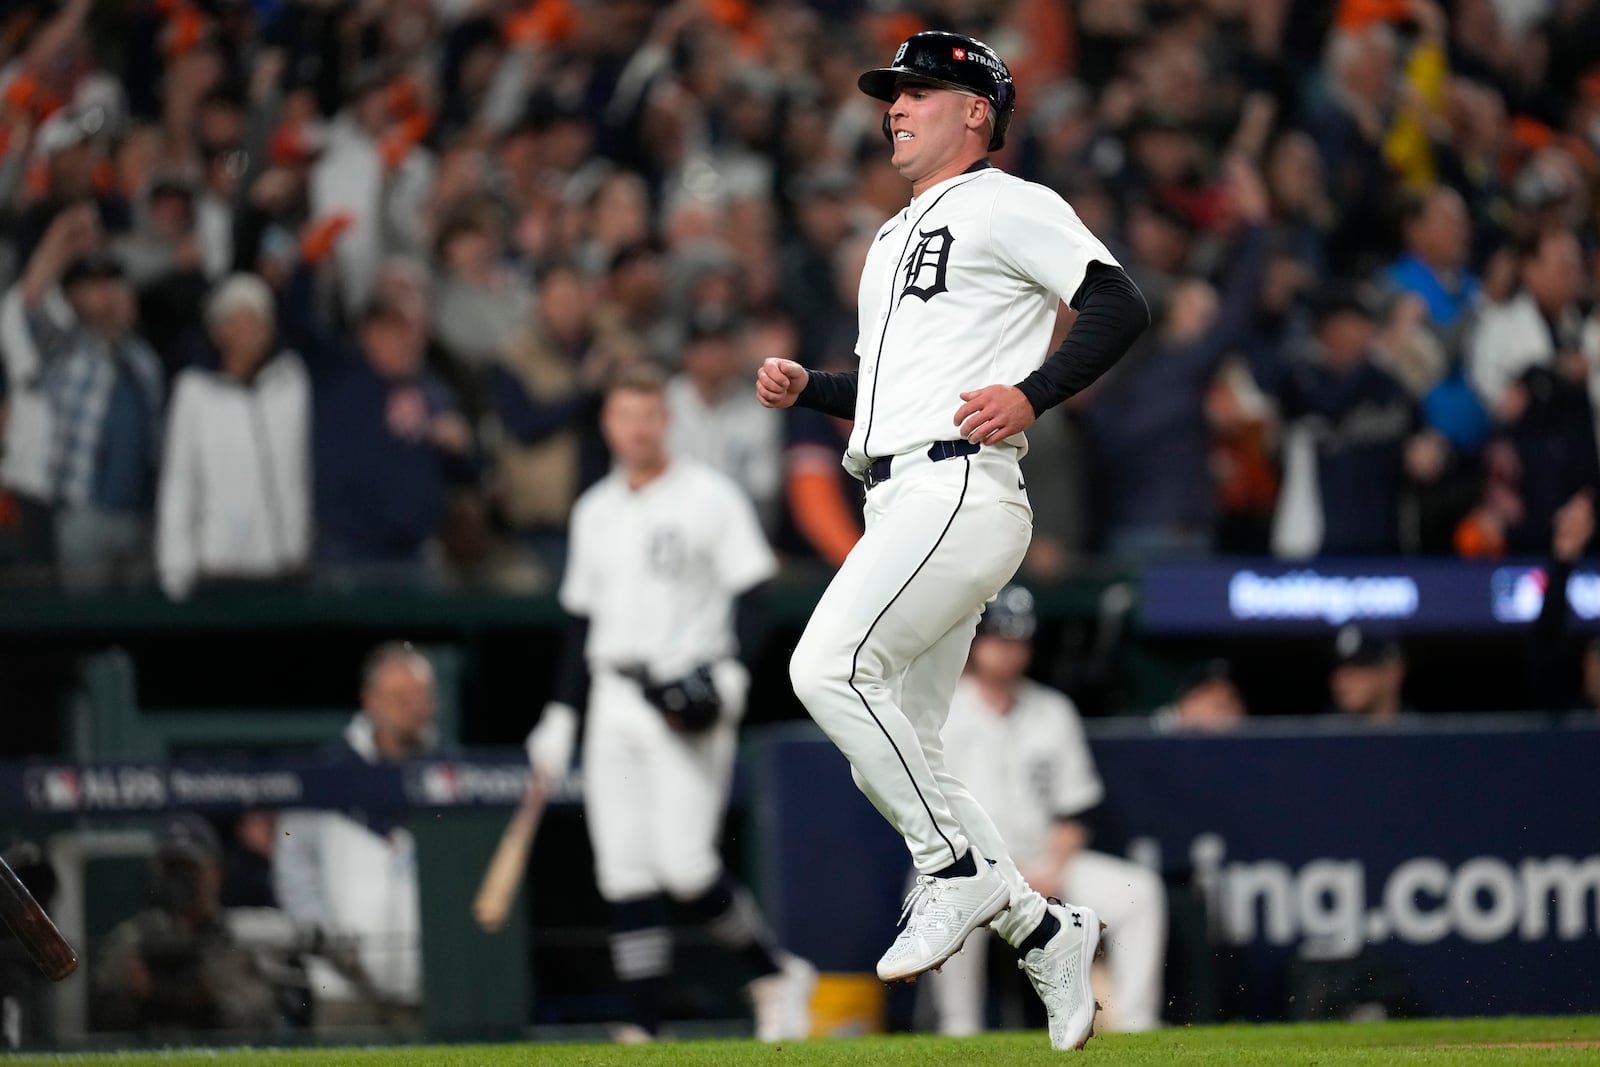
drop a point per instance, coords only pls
(144, 788)
(1247, 596)
(1466, 863)
(1461, 862)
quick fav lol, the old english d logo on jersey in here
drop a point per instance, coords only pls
(669, 555)
(925, 268)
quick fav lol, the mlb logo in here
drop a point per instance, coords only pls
(959, 53)
(440, 785)
(1517, 593)
(55, 790)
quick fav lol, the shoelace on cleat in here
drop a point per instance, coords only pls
(918, 899)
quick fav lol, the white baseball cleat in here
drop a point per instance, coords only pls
(782, 1000)
(1060, 975)
(938, 915)
(630, 1034)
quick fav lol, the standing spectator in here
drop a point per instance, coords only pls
(1435, 265)
(807, 288)
(1019, 747)
(1302, 210)
(1149, 417)
(163, 260)
(634, 301)
(717, 421)
(546, 395)
(1349, 123)
(386, 442)
(366, 168)
(479, 303)
(355, 874)
(1538, 326)
(68, 144)
(235, 500)
(1353, 438)
(70, 341)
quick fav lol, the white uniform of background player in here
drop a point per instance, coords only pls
(659, 552)
(957, 305)
(1019, 747)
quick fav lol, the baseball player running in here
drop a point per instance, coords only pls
(665, 564)
(957, 302)
(1019, 747)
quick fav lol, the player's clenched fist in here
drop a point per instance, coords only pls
(779, 382)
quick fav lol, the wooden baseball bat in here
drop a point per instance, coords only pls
(28, 921)
(503, 876)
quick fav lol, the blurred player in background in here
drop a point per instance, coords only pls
(1020, 749)
(665, 571)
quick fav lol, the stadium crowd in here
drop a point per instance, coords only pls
(299, 287)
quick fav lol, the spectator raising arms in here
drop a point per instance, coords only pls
(91, 426)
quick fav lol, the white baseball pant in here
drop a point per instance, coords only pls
(879, 660)
(654, 798)
(1132, 902)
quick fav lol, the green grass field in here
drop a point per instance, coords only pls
(1497, 1041)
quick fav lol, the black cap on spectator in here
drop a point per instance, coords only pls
(713, 326)
(96, 266)
(1011, 614)
(169, 184)
(547, 109)
(631, 253)
(189, 837)
(1346, 297)
(1355, 646)
(1158, 120)
(1212, 670)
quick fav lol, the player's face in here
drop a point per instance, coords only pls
(634, 424)
(1001, 660)
(929, 124)
(400, 700)
(1359, 689)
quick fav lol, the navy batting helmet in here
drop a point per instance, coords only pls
(1010, 614)
(956, 61)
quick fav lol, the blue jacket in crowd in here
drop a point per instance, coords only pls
(1149, 419)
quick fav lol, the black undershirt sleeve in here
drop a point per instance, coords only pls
(830, 392)
(572, 672)
(752, 620)
(1111, 316)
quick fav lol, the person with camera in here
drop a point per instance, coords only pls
(177, 966)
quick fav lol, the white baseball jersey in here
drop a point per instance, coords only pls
(656, 571)
(960, 291)
(1026, 767)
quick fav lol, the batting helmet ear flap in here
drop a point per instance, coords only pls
(888, 134)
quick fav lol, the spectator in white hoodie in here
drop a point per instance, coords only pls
(234, 500)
